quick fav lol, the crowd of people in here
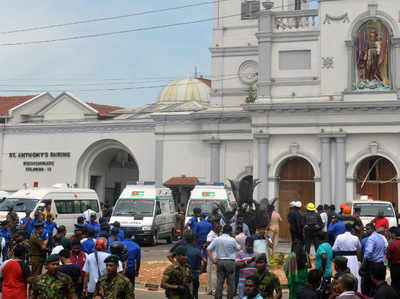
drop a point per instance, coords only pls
(349, 261)
(96, 261)
(360, 256)
(228, 252)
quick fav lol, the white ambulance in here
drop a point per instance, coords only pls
(148, 211)
(370, 208)
(207, 198)
(66, 203)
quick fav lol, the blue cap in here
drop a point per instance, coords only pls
(116, 224)
(28, 211)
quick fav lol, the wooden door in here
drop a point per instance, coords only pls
(296, 183)
(376, 176)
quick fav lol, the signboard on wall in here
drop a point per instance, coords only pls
(38, 161)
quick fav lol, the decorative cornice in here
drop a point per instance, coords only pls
(234, 51)
(326, 106)
(103, 126)
(205, 132)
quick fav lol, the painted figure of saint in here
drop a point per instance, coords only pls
(371, 46)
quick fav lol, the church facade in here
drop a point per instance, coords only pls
(322, 126)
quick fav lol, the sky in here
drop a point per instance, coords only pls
(88, 67)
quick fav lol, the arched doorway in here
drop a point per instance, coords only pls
(106, 167)
(296, 183)
(377, 177)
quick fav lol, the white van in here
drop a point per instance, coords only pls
(370, 208)
(147, 210)
(206, 197)
(66, 203)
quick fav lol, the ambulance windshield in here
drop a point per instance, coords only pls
(206, 206)
(19, 204)
(134, 207)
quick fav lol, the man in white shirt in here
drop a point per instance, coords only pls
(324, 217)
(211, 268)
(225, 248)
(95, 267)
(87, 214)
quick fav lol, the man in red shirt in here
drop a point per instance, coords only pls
(393, 256)
(381, 221)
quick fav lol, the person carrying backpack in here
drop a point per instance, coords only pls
(312, 228)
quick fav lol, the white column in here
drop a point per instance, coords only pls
(325, 170)
(340, 192)
(159, 162)
(215, 161)
(264, 37)
(262, 165)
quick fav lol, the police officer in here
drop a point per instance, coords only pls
(12, 219)
(19, 239)
(113, 285)
(134, 256)
(38, 249)
(177, 278)
(121, 233)
(53, 284)
(193, 221)
(201, 229)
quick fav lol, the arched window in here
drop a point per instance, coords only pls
(372, 57)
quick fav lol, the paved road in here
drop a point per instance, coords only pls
(140, 294)
(159, 252)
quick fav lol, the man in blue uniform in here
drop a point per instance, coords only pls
(49, 227)
(201, 229)
(26, 224)
(88, 245)
(194, 260)
(6, 234)
(121, 236)
(193, 221)
(134, 256)
(93, 224)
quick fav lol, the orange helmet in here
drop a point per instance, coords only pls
(346, 210)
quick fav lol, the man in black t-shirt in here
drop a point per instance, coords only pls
(309, 291)
(382, 289)
(72, 270)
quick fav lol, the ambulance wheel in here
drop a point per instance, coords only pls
(174, 236)
(154, 241)
(170, 237)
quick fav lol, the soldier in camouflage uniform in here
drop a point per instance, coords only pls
(53, 284)
(12, 219)
(113, 285)
(268, 282)
(177, 278)
(38, 249)
(19, 238)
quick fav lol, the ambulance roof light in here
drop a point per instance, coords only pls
(149, 183)
(219, 184)
(131, 183)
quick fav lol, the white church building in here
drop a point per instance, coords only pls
(324, 125)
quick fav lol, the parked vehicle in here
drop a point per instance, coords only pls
(66, 203)
(370, 209)
(147, 210)
(207, 198)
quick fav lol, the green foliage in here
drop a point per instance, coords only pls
(252, 95)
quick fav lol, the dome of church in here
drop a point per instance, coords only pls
(185, 90)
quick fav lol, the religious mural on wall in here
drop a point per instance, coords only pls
(372, 54)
